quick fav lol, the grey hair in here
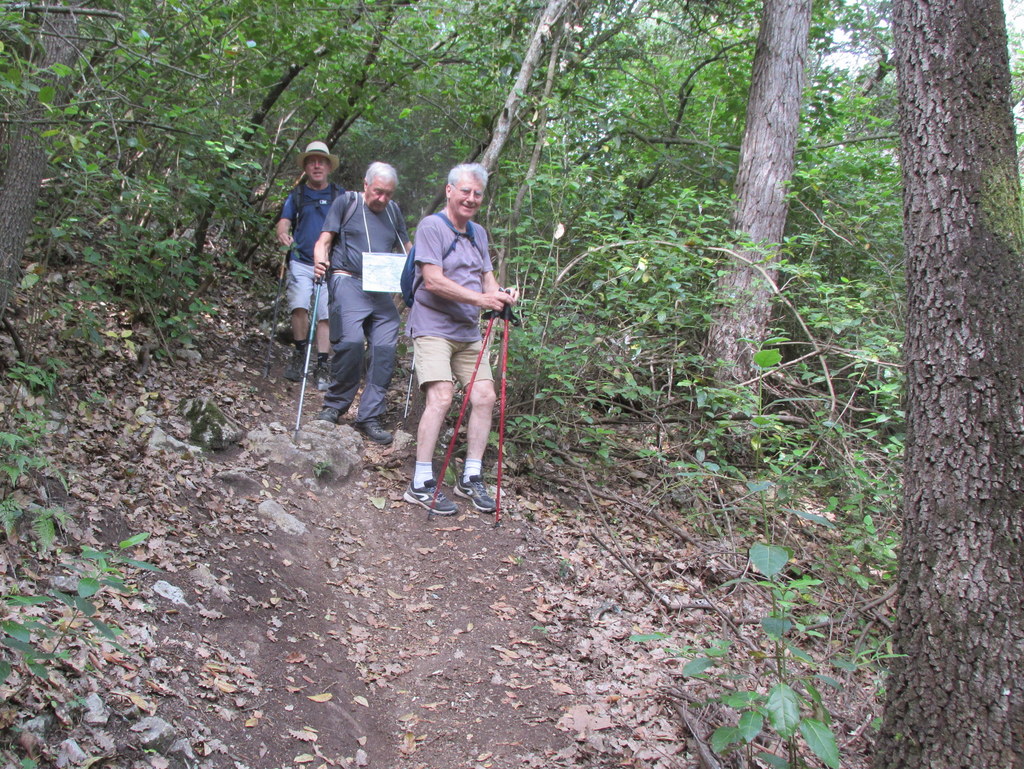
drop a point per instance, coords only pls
(475, 170)
(382, 171)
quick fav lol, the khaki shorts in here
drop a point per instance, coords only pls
(301, 289)
(441, 360)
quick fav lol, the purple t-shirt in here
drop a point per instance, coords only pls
(466, 265)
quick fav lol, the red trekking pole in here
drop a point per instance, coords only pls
(508, 317)
(462, 413)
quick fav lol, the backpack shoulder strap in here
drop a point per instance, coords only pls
(350, 210)
(467, 234)
(352, 196)
(296, 197)
(392, 204)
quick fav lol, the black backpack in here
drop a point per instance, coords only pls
(304, 201)
(409, 282)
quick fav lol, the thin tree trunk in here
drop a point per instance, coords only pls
(513, 101)
(954, 693)
(490, 153)
(28, 157)
(538, 149)
(767, 158)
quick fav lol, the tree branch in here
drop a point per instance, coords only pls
(25, 7)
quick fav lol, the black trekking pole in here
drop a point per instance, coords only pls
(277, 306)
(462, 413)
(309, 348)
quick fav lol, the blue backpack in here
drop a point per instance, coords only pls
(410, 284)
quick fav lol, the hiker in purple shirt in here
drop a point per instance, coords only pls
(454, 281)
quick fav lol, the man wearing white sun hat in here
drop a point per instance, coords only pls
(302, 217)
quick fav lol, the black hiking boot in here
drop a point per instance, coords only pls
(372, 430)
(293, 372)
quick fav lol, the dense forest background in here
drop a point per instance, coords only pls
(171, 140)
(147, 147)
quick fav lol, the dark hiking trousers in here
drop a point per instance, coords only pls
(363, 325)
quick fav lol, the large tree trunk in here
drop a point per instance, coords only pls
(767, 157)
(954, 694)
(27, 157)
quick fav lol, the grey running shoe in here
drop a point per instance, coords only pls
(475, 491)
(293, 372)
(424, 497)
(372, 430)
(329, 414)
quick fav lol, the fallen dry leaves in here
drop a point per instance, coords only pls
(515, 647)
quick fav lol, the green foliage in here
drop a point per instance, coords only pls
(21, 438)
(781, 692)
(40, 380)
(785, 695)
(37, 627)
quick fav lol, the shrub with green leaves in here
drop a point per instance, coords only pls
(36, 628)
(784, 696)
(21, 437)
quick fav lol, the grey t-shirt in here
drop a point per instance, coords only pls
(466, 265)
(364, 231)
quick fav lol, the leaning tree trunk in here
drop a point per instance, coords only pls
(765, 168)
(954, 694)
(509, 115)
(513, 101)
(27, 156)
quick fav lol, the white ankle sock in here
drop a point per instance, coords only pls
(472, 467)
(424, 472)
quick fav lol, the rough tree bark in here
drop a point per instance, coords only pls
(27, 156)
(954, 693)
(765, 168)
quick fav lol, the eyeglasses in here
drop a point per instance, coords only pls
(467, 192)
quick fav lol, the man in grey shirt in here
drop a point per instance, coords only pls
(454, 281)
(371, 224)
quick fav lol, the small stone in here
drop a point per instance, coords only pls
(170, 592)
(65, 584)
(211, 428)
(96, 711)
(70, 754)
(181, 753)
(161, 441)
(155, 734)
(361, 758)
(277, 515)
(40, 726)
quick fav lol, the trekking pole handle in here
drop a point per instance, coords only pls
(284, 262)
(505, 313)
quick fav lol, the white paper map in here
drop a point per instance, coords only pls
(383, 272)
